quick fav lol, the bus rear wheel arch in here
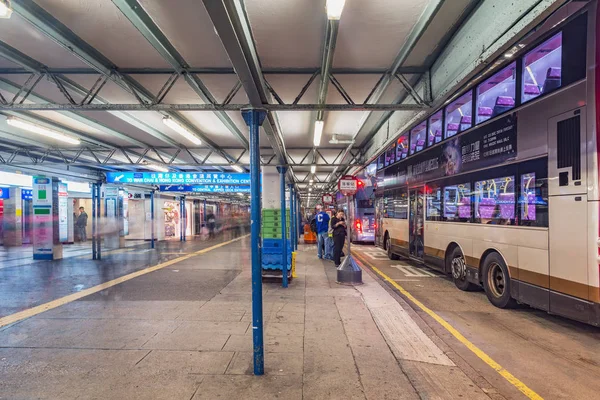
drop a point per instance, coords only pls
(388, 246)
(496, 281)
(457, 267)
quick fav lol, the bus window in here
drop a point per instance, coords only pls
(433, 195)
(533, 201)
(495, 201)
(401, 203)
(388, 205)
(402, 147)
(417, 137)
(458, 114)
(457, 203)
(497, 94)
(390, 156)
(380, 160)
(435, 129)
(542, 68)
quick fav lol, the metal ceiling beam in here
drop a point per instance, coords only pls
(66, 38)
(29, 65)
(221, 71)
(216, 107)
(136, 14)
(86, 138)
(46, 157)
(231, 23)
(13, 88)
(329, 43)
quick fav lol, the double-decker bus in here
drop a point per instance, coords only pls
(499, 188)
(362, 207)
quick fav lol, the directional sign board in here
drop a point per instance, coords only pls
(327, 198)
(348, 185)
(178, 178)
(205, 188)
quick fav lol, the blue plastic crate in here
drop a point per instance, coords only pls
(275, 267)
(274, 259)
(275, 243)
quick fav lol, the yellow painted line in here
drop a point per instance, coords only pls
(523, 388)
(11, 319)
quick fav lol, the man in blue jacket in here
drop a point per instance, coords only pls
(322, 220)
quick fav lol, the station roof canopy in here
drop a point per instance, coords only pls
(96, 85)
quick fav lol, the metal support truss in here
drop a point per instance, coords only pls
(213, 107)
(136, 14)
(66, 38)
(100, 157)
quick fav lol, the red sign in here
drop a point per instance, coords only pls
(327, 198)
(348, 185)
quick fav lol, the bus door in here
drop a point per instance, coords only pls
(568, 208)
(379, 221)
(416, 222)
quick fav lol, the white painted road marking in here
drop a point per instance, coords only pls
(412, 272)
(376, 254)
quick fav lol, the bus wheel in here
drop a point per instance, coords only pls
(496, 281)
(458, 267)
(390, 253)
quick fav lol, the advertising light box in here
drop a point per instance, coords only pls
(178, 178)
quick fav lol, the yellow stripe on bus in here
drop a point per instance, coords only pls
(523, 388)
(11, 319)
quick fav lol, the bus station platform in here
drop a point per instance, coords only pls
(180, 327)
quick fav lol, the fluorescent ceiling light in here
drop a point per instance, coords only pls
(155, 167)
(311, 181)
(181, 130)
(40, 130)
(237, 168)
(5, 9)
(318, 133)
(313, 169)
(310, 189)
(335, 8)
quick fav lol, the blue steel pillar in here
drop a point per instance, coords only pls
(284, 277)
(93, 221)
(98, 221)
(204, 213)
(181, 219)
(292, 213)
(254, 119)
(152, 219)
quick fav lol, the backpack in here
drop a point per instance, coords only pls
(313, 225)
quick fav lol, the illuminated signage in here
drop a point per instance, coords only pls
(205, 188)
(178, 178)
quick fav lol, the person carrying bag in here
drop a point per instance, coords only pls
(338, 225)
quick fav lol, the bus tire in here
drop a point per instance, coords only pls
(458, 269)
(390, 253)
(496, 281)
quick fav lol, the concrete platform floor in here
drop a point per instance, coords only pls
(184, 332)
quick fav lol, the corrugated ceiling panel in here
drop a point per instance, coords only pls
(372, 32)
(18, 33)
(288, 33)
(188, 27)
(103, 26)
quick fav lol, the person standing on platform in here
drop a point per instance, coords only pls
(211, 222)
(322, 221)
(329, 241)
(81, 225)
(338, 224)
